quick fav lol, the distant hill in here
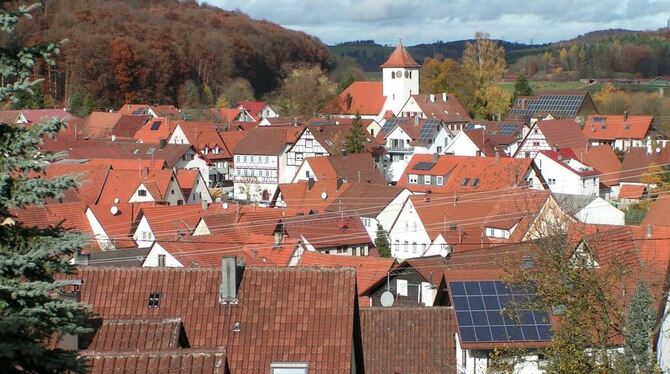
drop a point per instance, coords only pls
(159, 51)
(371, 55)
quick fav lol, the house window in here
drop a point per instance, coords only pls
(289, 368)
(413, 247)
(405, 246)
(238, 159)
(552, 181)
(309, 143)
(172, 191)
(141, 192)
(439, 149)
(426, 179)
(413, 226)
(341, 249)
(440, 181)
(244, 158)
(154, 299)
(298, 156)
(413, 179)
(161, 261)
(401, 287)
(397, 245)
(267, 159)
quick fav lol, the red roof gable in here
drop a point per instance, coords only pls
(364, 98)
(601, 127)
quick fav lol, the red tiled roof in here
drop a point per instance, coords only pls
(122, 184)
(141, 335)
(186, 179)
(67, 215)
(193, 361)
(92, 180)
(328, 230)
(200, 134)
(300, 199)
(408, 340)
(276, 321)
(632, 191)
(657, 215)
(562, 156)
(267, 140)
(119, 226)
(368, 269)
(253, 108)
(611, 127)
(364, 98)
(37, 115)
(178, 221)
(353, 168)
(231, 139)
(128, 164)
(101, 124)
(562, 133)
(449, 111)
(228, 114)
(155, 130)
(603, 159)
(333, 137)
(364, 200)
(400, 58)
(491, 173)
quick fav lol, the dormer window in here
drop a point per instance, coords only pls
(154, 299)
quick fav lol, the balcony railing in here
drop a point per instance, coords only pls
(400, 148)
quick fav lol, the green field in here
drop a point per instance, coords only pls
(550, 86)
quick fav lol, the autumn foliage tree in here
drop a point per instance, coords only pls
(304, 92)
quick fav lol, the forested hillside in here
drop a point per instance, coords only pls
(609, 53)
(370, 55)
(166, 51)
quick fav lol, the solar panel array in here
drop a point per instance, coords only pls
(560, 106)
(428, 130)
(390, 124)
(482, 313)
(424, 165)
(508, 129)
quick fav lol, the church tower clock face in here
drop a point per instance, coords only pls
(398, 74)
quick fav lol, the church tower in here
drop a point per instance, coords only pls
(400, 77)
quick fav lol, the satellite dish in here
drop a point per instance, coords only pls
(387, 299)
(116, 200)
(324, 195)
(225, 205)
(658, 150)
(444, 252)
(114, 210)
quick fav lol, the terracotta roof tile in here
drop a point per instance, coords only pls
(253, 108)
(119, 226)
(67, 215)
(276, 321)
(658, 212)
(400, 58)
(482, 173)
(155, 130)
(353, 168)
(267, 140)
(328, 230)
(408, 340)
(128, 164)
(632, 191)
(563, 158)
(603, 159)
(364, 98)
(611, 127)
(364, 200)
(101, 124)
(92, 180)
(132, 335)
(562, 133)
(298, 198)
(122, 184)
(194, 361)
(449, 111)
(368, 269)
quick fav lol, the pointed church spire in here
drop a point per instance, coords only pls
(400, 58)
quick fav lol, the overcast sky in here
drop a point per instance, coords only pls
(419, 21)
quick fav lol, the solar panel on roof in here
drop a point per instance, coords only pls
(424, 165)
(389, 125)
(428, 131)
(480, 313)
(507, 128)
(156, 125)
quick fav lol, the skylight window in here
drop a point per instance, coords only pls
(156, 125)
(465, 182)
(475, 182)
(154, 299)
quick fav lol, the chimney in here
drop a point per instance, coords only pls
(344, 152)
(650, 231)
(162, 143)
(625, 115)
(426, 197)
(204, 204)
(69, 291)
(444, 97)
(416, 120)
(279, 235)
(432, 98)
(310, 183)
(435, 157)
(230, 279)
(348, 101)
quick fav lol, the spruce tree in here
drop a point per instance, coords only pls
(639, 333)
(32, 316)
(521, 88)
(356, 137)
(382, 242)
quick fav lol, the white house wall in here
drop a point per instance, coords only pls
(99, 232)
(178, 136)
(173, 194)
(152, 258)
(143, 236)
(194, 161)
(601, 212)
(565, 180)
(409, 238)
(663, 343)
(462, 145)
(136, 198)
(534, 143)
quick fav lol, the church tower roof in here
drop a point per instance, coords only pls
(400, 58)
